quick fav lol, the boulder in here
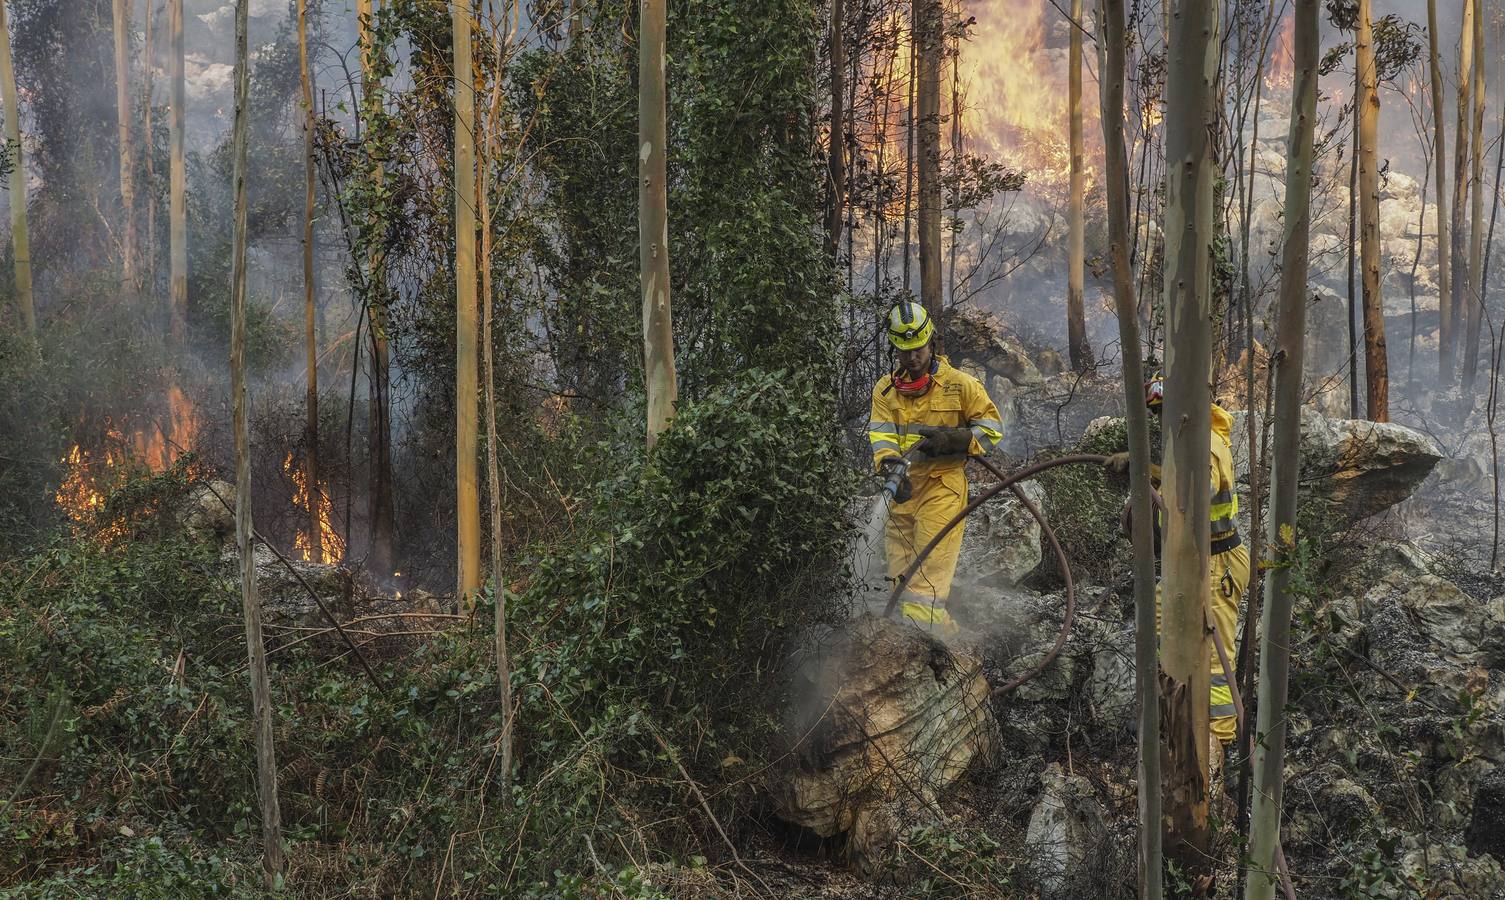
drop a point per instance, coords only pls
(1066, 831)
(1352, 467)
(207, 513)
(1001, 542)
(888, 718)
(284, 597)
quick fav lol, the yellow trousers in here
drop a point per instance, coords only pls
(939, 494)
(1230, 579)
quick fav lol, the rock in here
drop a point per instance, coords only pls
(889, 717)
(284, 598)
(1066, 830)
(1486, 829)
(1050, 363)
(1021, 628)
(1448, 871)
(1355, 468)
(1110, 689)
(1001, 542)
(208, 512)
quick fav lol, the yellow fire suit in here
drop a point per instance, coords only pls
(954, 399)
(1229, 574)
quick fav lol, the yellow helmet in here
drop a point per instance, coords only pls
(909, 326)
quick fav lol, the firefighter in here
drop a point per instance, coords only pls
(935, 416)
(1229, 561)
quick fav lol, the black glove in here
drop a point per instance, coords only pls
(1117, 464)
(939, 442)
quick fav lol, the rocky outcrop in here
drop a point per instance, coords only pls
(888, 718)
(1001, 544)
(1066, 830)
(207, 512)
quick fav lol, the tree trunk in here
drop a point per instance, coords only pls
(122, 11)
(148, 66)
(1458, 252)
(379, 505)
(1285, 461)
(836, 157)
(1076, 255)
(1445, 276)
(1475, 297)
(928, 43)
(1146, 669)
(20, 235)
(1189, 224)
(653, 219)
(177, 211)
(467, 500)
(310, 314)
(493, 467)
(1376, 365)
(261, 690)
(1353, 207)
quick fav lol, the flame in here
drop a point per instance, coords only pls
(160, 444)
(332, 548)
(1281, 66)
(79, 495)
(1017, 94)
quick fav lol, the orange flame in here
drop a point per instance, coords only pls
(1281, 66)
(332, 546)
(1016, 91)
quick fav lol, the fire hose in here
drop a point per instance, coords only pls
(1011, 482)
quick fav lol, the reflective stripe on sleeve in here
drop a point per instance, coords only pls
(1223, 510)
(988, 432)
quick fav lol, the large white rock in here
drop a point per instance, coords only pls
(1066, 829)
(888, 718)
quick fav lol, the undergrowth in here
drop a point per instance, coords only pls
(646, 648)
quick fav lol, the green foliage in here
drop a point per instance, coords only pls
(953, 860)
(1085, 508)
(693, 566)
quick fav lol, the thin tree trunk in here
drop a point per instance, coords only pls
(957, 139)
(20, 234)
(1076, 255)
(1475, 297)
(653, 219)
(1285, 463)
(836, 157)
(149, 146)
(1146, 669)
(177, 211)
(125, 133)
(909, 163)
(1445, 363)
(379, 505)
(467, 500)
(928, 42)
(1459, 253)
(493, 468)
(1189, 221)
(1353, 206)
(1367, 104)
(261, 689)
(310, 314)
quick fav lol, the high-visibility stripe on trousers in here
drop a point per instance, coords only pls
(1230, 578)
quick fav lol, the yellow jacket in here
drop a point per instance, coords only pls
(955, 400)
(1224, 491)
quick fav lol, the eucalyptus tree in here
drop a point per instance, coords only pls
(1285, 462)
(273, 863)
(1191, 93)
(20, 235)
